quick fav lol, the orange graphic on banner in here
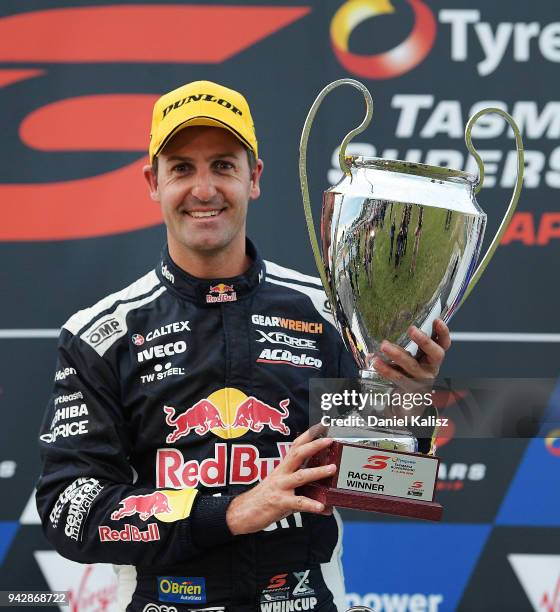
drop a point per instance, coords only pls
(116, 201)
(402, 58)
(140, 33)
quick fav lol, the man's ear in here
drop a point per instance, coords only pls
(255, 180)
(151, 178)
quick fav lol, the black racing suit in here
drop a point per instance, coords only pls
(171, 397)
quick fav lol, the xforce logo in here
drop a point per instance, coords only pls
(402, 58)
(103, 332)
(204, 98)
(282, 338)
(162, 350)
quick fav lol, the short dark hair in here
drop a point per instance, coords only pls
(251, 158)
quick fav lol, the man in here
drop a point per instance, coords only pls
(166, 445)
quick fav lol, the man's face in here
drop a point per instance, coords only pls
(204, 184)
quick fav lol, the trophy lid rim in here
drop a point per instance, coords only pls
(406, 167)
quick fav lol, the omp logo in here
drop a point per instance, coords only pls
(377, 462)
(92, 195)
(103, 332)
(393, 63)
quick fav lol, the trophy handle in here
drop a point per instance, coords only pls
(341, 159)
(516, 190)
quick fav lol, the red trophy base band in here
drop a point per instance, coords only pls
(329, 493)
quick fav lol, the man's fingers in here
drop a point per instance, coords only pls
(441, 332)
(304, 504)
(433, 352)
(306, 475)
(311, 434)
(403, 359)
(298, 454)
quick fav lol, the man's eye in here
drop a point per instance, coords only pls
(180, 168)
(223, 165)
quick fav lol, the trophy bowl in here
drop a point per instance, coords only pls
(400, 244)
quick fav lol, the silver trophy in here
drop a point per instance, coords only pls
(400, 245)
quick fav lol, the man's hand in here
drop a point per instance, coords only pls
(425, 367)
(274, 498)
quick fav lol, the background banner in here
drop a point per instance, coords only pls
(77, 84)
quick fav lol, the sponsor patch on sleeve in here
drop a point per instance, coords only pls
(180, 589)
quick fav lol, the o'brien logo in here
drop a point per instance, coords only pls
(402, 58)
(202, 98)
(182, 590)
(226, 293)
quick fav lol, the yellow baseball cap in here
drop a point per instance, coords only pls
(201, 103)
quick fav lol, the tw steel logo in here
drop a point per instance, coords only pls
(79, 127)
(393, 63)
(228, 413)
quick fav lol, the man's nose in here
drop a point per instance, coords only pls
(204, 188)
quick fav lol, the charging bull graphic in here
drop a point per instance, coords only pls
(220, 414)
(144, 505)
(201, 417)
(254, 415)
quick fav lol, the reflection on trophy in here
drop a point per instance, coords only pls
(400, 244)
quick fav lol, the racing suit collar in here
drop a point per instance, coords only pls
(211, 291)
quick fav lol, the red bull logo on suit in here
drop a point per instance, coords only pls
(227, 413)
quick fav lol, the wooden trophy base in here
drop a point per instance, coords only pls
(392, 482)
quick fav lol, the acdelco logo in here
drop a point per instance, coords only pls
(395, 62)
(377, 462)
